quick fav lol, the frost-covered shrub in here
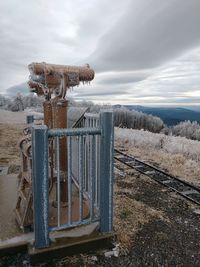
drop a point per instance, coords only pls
(188, 129)
(169, 144)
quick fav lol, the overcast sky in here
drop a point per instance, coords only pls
(143, 51)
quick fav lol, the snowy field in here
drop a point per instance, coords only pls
(168, 144)
(177, 155)
(9, 117)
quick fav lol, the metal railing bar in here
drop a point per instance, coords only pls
(99, 171)
(69, 144)
(96, 172)
(84, 162)
(38, 117)
(74, 180)
(85, 194)
(31, 118)
(92, 177)
(77, 223)
(97, 158)
(81, 178)
(92, 115)
(74, 132)
(58, 178)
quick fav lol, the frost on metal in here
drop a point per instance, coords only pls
(76, 163)
(50, 78)
(40, 185)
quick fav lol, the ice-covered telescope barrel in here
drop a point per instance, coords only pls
(51, 76)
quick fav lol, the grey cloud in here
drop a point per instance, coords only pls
(186, 100)
(37, 31)
(163, 101)
(96, 91)
(121, 77)
(130, 43)
(100, 18)
(176, 101)
(149, 34)
(21, 88)
(96, 94)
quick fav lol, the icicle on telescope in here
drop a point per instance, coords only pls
(46, 79)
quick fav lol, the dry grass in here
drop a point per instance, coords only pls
(175, 164)
(9, 152)
(130, 215)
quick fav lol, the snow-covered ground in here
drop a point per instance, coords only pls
(178, 155)
(169, 144)
(10, 117)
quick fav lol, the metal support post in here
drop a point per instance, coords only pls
(59, 116)
(40, 185)
(106, 171)
(29, 119)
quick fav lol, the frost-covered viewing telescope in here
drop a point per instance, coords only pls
(50, 78)
(52, 81)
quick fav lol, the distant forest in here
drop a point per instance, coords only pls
(124, 117)
(170, 115)
(19, 102)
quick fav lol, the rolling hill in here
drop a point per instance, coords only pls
(170, 115)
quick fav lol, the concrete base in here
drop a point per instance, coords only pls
(63, 243)
(63, 248)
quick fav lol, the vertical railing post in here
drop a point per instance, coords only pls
(29, 119)
(106, 171)
(40, 185)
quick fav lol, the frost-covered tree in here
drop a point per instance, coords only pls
(125, 118)
(4, 101)
(187, 129)
(32, 100)
(82, 103)
(137, 120)
(17, 103)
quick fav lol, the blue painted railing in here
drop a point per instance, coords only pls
(32, 118)
(96, 183)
